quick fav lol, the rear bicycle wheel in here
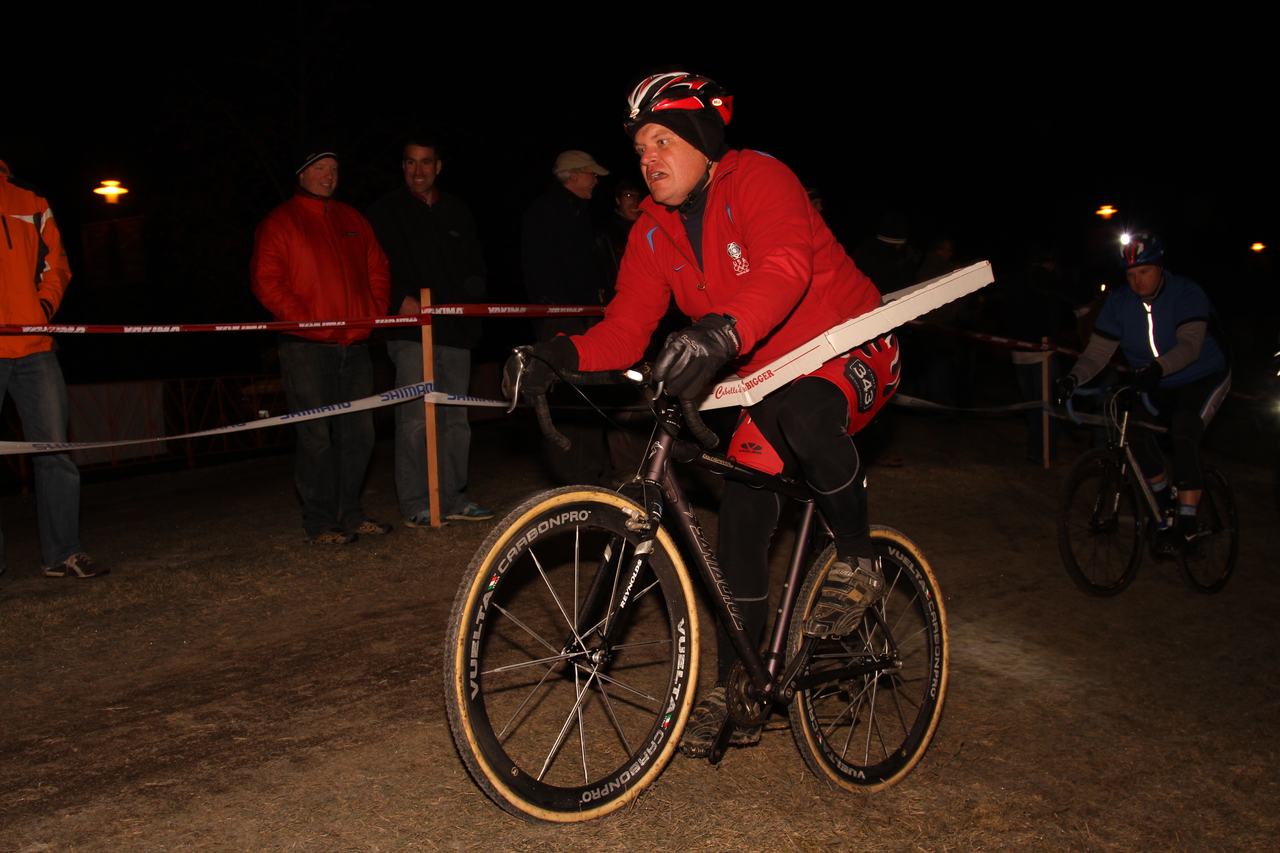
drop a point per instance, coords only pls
(569, 676)
(874, 697)
(1207, 563)
(1100, 527)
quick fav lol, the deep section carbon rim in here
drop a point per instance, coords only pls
(867, 724)
(571, 657)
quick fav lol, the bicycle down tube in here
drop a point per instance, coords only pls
(762, 672)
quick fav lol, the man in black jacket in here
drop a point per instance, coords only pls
(563, 265)
(430, 239)
(558, 252)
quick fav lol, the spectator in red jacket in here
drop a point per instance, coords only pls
(33, 277)
(315, 258)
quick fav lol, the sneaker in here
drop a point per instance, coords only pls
(333, 537)
(705, 723)
(422, 519)
(851, 586)
(471, 511)
(79, 565)
(369, 527)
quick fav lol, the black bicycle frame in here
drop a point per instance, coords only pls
(660, 483)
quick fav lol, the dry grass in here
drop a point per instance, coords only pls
(229, 687)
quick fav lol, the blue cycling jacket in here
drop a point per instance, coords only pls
(1146, 331)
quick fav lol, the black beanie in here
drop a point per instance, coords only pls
(702, 129)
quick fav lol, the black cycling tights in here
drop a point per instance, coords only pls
(1185, 411)
(806, 425)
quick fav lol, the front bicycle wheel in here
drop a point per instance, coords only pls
(572, 656)
(1207, 562)
(867, 704)
(1100, 528)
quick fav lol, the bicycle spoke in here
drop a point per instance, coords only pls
(909, 607)
(615, 682)
(637, 645)
(921, 632)
(532, 633)
(897, 706)
(854, 710)
(613, 717)
(871, 725)
(851, 707)
(556, 598)
(582, 737)
(603, 621)
(564, 732)
(502, 732)
(888, 593)
(533, 662)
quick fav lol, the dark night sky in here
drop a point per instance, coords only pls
(1000, 131)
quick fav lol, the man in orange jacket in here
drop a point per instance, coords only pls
(33, 277)
(315, 258)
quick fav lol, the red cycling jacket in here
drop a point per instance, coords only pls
(33, 267)
(317, 259)
(771, 263)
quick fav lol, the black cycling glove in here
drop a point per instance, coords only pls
(1064, 388)
(540, 365)
(1148, 378)
(691, 357)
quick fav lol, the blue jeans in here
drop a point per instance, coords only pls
(333, 453)
(39, 392)
(453, 376)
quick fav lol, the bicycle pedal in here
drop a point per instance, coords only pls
(721, 744)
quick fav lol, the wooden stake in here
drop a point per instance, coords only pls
(429, 376)
(1044, 398)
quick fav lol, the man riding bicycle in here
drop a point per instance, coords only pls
(1163, 324)
(732, 237)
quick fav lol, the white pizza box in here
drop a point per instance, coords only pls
(899, 308)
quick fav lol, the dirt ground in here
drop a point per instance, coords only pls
(229, 687)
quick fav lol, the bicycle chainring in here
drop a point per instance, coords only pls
(743, 709)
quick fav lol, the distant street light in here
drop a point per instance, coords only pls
(111, 191)
(1106, 211)
(1258, 247)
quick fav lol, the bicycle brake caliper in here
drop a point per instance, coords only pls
(637, 522)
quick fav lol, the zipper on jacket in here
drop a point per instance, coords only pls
(1151, 331)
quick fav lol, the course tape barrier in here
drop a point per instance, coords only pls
(909, 402)
(423, 319)
(420, 390)
(906, 401)
(994, 340)
(393, 397)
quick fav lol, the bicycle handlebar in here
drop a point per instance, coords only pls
(642, 375)
(1115, 390)
(701, 433)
